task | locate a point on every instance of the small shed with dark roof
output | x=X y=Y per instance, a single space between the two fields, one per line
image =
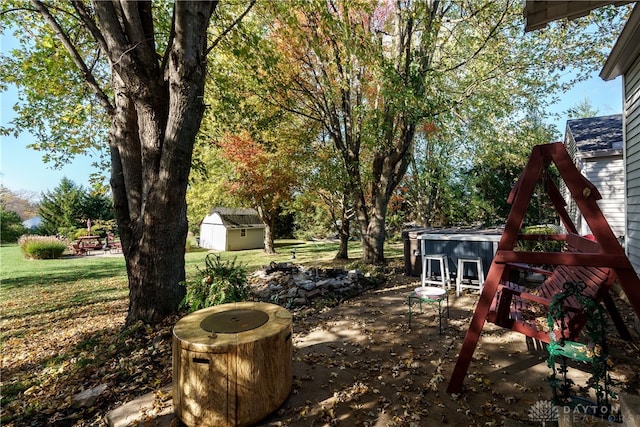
x=596 y=146
x=232 y=229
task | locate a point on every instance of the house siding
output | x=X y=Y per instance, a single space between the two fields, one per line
x=595 y=145
x=607 y=174
x=632 y=146
x=213 y=234
x=570 y=143
x=572 y=207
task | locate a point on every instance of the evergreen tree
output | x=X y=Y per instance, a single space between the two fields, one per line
x=11 y=227
x=67 y=208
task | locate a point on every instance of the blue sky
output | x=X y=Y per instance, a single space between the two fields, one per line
x=22 y=169
x=605 y=97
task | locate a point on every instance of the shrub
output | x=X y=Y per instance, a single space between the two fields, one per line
x=191 y=242
x=541 y=245
x=219 y=283
x=75 y=234
x=11 y=227
x=42 y=247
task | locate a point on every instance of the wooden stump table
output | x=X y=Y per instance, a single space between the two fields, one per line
x=232 y=364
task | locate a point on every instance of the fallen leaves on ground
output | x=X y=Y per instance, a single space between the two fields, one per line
x=357 y=363
x=49 y=359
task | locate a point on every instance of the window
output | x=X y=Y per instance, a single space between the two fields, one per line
x=243 y=232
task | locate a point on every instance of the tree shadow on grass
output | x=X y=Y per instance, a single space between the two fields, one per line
x=79 y=301
x=64 y=274
x=285 y=244
x=307 y=246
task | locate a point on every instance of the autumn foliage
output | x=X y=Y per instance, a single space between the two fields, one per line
x=260 y=178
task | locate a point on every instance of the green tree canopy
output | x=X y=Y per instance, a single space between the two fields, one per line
x=11 y=227
x=250 y=151
x=69 y=206
x=373 y=74
x=582 y=110
x=497 y=166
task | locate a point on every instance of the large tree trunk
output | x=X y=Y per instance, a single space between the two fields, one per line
x=156 y=106
x=344 y=234
x=344 y=229
x=268 y=219
x=374 y=237
x=157 y=114
x=269 y=247
x=389 y=167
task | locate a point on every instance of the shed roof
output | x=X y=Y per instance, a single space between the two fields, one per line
x=597 y=133
x=238 y=217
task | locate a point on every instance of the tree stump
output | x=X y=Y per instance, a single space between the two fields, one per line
x=232 y=364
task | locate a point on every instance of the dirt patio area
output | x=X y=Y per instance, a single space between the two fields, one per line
x=359 y=364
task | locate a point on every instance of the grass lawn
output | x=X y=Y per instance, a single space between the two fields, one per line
x=62 y=331
x=32 y=287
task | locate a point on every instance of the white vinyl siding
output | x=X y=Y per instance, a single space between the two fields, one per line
x=632 y=144
x=570 y=143
x=252 y=239
x=607 y=174
x=572 y=207
x=213 y=234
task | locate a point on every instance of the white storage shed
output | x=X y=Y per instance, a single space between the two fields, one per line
x=232 y=229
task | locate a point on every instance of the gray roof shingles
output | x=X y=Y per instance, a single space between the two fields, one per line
x=238 y=217
x=597 y=133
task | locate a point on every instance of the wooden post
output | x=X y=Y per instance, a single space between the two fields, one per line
x=521 y=196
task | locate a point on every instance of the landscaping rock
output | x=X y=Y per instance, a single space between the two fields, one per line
x=87 y=398
x=291 y=284
x=307 y=285
x=355 y=274
x=314 y=293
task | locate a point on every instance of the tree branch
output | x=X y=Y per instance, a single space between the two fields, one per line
x=138 y=24
x=75 y=56
x=230 y=27
x=90 y=25
x=165 y=58
x=17 y=9
x=484 y=43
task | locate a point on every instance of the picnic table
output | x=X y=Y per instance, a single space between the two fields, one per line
x=84 y=244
